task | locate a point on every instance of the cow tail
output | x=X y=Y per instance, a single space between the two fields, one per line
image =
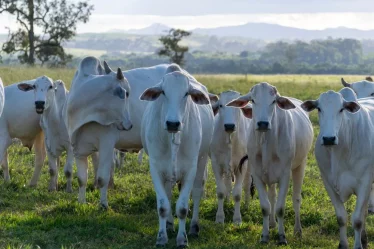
x=242 y=161
x=253 y=188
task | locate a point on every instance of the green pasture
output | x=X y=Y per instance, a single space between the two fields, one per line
x=36 y=218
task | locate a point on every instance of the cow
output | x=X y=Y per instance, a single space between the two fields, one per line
x=229 y=144
x=98 y=105
x=50 y=98
x=2 y=97
x=19 y=120
x=363 y=89
x=176 y=132
x=281 y=135
x=344 y=153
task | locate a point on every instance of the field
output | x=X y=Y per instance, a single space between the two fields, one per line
x=35 y=218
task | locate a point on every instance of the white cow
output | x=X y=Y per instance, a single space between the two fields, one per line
x=176 y=134
x=96 y=109
x=229 y=145
x=363 y=89
x=50 y=98
x=19 y=120
x=344 y=152
x=2 y=97
x=281 y=135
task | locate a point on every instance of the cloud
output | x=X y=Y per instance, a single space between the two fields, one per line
x=209 y=7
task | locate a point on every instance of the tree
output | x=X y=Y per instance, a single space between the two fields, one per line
x=171 y=47
x=57 y=21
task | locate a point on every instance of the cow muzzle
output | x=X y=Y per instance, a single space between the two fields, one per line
x=229 y=128
x=173 y=126
x=39 y=106
x=263 y=126
x=126 y=127
x=329 y=141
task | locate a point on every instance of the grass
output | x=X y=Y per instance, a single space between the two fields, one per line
x=35 y=218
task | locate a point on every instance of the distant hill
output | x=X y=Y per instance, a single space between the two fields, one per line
x=154 y=29
x=264 y=31
x=267 y=31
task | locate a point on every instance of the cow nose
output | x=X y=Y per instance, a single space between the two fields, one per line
x=172 y=126
x=229 y=128
x=263 y=125
x=39 y=106
x=329 y=140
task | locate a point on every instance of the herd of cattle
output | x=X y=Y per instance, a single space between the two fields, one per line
x=261 y=136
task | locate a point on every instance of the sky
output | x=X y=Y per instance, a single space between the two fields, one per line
x=307 y=14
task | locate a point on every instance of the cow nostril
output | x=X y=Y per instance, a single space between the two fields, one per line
x=263 y=125
x=172 y=125
x=229 y=127
x=329 y=140
x=39 y=103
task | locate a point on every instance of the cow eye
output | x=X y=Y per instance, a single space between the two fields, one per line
x=163 y=93
x=372 y=94
x=220 y=106
x=186 y=94
x=50 y=87
x=127 y=94
x=341 y=110
x=273 y=102
x=319 y=110
x=253 y=101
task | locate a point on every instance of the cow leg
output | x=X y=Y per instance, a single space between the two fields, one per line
x=68 y=169
x=140 y=156
x=170 y=221
x=272 y=192
x=359 y=214
x=122 y=156
x=221 y=189
x=247 y=187
x=182 y=203
x=265 y=207
x=280 y=206
x=53 y=172
x=40 y=154
x=82 y=172
x=5 y=166
x=237 y=192
x=341 y=213
x=227 y=176
x=297 y=181
x=105 y=167
x=163 y=204
x=197 y=193
x=95 y=164
x=371 y=200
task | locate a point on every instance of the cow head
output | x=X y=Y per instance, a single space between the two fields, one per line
x=363 y=89
x=331 y=107
x=229 y=115
x=264 y=98
x=44 y=90
x=175 y=89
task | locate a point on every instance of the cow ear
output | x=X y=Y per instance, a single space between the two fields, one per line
x=369 y=78
x=285 y=103
x=25 y=87
x=351 y=106
x=198 y=96
x=213 y=98
x=309 y=105
x=240 y=102
x=215 y=108
x=345 y=83
x=247 y=111
x=151 y=94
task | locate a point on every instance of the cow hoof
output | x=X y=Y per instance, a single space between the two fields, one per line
x=298 y=233
x=282 y=240
x=341 y=246
x=162 y=239
x=237 y=221
x=169 y=226
x=52 y=189
x=104 y=206
x=194 y=230
x=264 y=239
x=182 y=241
x=220 y=219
